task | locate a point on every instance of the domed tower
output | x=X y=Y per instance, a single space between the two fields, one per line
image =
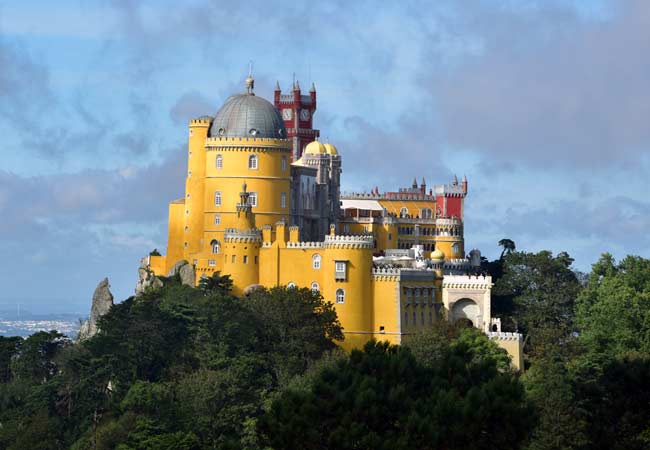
x=246 y=141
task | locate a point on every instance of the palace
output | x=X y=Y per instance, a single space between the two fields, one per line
x=263 y=204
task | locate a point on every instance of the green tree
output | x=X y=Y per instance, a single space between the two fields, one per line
x=299 y=326
x=9 y=349
x=562 y=423
x=381 y=398
x=539 y=290
x=215 y=284
x=508 y=247
x=36 y=360
x=613 y=311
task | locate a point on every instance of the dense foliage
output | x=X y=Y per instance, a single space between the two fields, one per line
x=184 y=368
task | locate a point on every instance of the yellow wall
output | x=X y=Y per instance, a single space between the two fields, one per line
x=241 y=262
x=175 y=235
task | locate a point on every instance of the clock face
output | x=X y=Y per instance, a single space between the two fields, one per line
x=304 y=114
x=286 y=114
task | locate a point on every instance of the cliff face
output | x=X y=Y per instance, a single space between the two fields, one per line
x=102 y=303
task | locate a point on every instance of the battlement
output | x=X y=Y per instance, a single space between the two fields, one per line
x=505 y=336
x=350 y=241
x=233 y=235
x=449 y=190
x=481 y=282
x=305 y=245
x=203 y=120
x=240 y=143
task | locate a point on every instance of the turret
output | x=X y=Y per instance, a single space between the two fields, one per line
x=245 y=219
x=276 y=95
x=463 y=184
x=296 y=94
x=423 y=187
x=312 y=95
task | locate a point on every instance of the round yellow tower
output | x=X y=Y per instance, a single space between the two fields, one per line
x=449 y=238
x=246 y=142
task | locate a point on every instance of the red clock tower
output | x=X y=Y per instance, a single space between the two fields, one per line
x=298 y=114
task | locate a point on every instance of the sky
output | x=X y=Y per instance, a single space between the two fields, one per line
x=543 y=105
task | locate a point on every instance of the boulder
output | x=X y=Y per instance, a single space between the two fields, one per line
x=102 y=303
x=186 y=273
x=146 y=280
x=176 y=268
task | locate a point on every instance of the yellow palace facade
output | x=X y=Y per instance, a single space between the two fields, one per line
x=265 y=207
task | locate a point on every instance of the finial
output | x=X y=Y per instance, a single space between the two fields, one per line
x=250 y=81
x=415 y=182
x=294 y=80
x=464 y=178
x=243 y=187
x=424 y=183
x=297 y=87
x=455 y=180
x=277 y=85
x=313 y=87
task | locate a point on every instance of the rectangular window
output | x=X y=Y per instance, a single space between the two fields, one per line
x=217 y=198
x=233 y=259
x=390 y=236
x=217 y=219
x=245 y=259
x=340 y=271
x=284 y=163
x=211 y=263
x=283 y=200
x=195 y=261
x=252 y=199
x=256 y=260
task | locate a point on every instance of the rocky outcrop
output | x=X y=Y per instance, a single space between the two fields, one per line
x=185 y=271
x=102 y=303
x=146 y=279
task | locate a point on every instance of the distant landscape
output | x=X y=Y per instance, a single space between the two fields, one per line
x=25 y=323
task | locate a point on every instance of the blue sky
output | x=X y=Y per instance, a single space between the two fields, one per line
x=544 y=105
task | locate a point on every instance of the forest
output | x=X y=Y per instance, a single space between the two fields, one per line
x=197 y=368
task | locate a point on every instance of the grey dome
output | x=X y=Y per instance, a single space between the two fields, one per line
x=246 y=115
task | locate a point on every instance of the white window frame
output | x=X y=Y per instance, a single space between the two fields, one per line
x=291 y=285
x=219 y=162
x=283 y=199
x=217 y=198
x=252 y=199
x=253 y=162
x=403 y=212
x=315 y=287
x=284 y=163
x=316 y=261
x=212 y=262
x=217 y=219
x=339 y=266
x=216 y=246
x=340 y=296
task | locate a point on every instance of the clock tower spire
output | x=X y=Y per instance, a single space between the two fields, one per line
x=298 y=114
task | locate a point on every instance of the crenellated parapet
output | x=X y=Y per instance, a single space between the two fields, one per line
x=201 y=121
x=386 y=274
x=306 y=245
x=505 y=336
x=360 y=241
x=469 y=282
x=247 y=143
x=234 y=235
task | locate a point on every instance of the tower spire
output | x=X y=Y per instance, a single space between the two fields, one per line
x=250 y=81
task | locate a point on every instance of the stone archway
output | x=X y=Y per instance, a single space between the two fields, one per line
x=466 y=309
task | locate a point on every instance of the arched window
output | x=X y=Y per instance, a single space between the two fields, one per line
x=315 y=261
x=340 y=296
x=426 y=213
x=217 y=198
x=217 y=219
x=291 y=285
x=454 y=248
x=403 y=212
x=252 y=162
x=219 y=162
x=216 y=246
x=315 y=287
